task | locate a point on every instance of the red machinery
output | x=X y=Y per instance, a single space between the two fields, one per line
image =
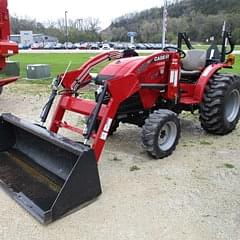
x=50 y=175
x=7 y=48
x=148 y=77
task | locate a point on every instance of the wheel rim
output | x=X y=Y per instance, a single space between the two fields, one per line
x=232 y=105
x=167 y=136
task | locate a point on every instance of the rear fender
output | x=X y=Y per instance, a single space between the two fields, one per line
x=205 y=77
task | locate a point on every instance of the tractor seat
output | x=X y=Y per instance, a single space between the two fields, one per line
x=190 y=75
x=193 y=63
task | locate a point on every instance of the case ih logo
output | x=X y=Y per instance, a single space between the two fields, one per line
x=161 y=58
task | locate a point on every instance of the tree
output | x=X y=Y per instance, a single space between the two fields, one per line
x=89 y=31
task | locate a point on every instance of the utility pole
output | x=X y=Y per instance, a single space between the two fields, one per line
x=164 y=24
x=80 y=21
x=66 y=26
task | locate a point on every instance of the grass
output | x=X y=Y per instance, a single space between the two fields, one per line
x=206 y=46
x=228 y=165
x=59 y=61
x=236 y=67
x=204 y=142
x=134 y=168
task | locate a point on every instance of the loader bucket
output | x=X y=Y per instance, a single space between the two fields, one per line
x=47 y=174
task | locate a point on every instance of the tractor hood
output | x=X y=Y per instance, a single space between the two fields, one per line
x=121 y=67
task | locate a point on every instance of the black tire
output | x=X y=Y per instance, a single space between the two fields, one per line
x=220 y=109
x=1 y=89
x=161 y=133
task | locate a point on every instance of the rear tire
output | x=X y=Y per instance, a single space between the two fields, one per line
x=220 y=109
x=161 y=133
x=1 y=89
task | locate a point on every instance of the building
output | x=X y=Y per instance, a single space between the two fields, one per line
x=27 y=38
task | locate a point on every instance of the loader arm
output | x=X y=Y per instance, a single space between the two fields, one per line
x=76 y=79
x=84 y=107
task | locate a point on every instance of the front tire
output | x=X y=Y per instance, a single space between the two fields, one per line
x=161 y=133
x=220 y=109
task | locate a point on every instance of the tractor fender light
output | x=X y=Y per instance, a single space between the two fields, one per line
x=231 y=59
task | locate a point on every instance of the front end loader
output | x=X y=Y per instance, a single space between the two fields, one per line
x=51 y=175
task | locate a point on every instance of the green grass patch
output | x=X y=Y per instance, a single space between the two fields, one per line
x=59 y=61
x=236 y=67
x=134 y=168
x=237 y=47
x=228 y=165
x=206 y=46
x=3 y=75
x=204 y=142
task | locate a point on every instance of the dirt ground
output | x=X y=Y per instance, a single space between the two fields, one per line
x=193 y=194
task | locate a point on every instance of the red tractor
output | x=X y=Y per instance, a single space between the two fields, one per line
x=7 y=48
x=49 y=175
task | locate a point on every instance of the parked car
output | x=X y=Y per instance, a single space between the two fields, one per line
x=58 y=46
x=49 y=45
x=158 y=46
x=111 y=45
x=77 y=45
x=37 y=46
x=148 y=46
x=131 y=46
x=118 y=46
x=106 y=46
x=84 y=46
x=140 y=46
x=22 y=46
x=94 y=46
x=68 y=45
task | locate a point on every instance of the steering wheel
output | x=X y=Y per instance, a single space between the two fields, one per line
x=179 y=50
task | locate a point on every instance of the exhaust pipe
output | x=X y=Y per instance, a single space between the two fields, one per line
x=47 y=174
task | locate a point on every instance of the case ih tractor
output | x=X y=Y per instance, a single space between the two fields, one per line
x=50 y=175
x=7 y=48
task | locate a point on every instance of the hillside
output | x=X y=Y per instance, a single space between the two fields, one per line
x=200 y=18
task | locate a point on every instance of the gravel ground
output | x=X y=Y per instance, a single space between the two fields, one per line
x=193 y=194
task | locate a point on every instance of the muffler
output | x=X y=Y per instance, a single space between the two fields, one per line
x=47 y=174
